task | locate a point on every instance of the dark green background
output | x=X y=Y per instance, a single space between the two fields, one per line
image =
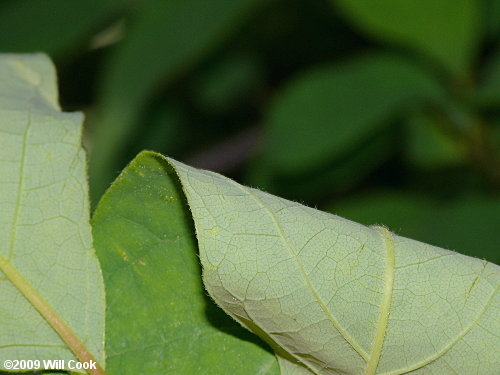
x=384 y=112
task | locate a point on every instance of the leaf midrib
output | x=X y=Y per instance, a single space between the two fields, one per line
x=49 y=314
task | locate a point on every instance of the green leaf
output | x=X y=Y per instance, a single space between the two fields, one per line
x=468 y=225
x=315 y=184
x=446 y=30
x=430 y=146
x=491 y=16
x=167 y=129
x=495 y=131
x=336 y=297
x=328 y=111
x=159 y=320
x=50 y=282
x=51 y=26
x=166 y=39
x=225 y=83
x=36 y=373
x=488 y=93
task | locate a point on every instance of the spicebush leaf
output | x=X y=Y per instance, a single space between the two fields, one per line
x=327 y=111
x=52 y=294
x=159 y=320
x=166 y=39
x=336 y=297
x=446 y=30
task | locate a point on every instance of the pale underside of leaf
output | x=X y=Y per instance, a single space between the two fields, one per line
x=51 y=286
x=281 y=269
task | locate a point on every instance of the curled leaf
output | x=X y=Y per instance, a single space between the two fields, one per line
x=336 y=297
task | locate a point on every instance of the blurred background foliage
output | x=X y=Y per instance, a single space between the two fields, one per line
x=384 y=112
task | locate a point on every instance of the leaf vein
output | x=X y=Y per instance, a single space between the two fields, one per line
x=15 y=219
x=303 y=273
x=385 y=306
x=447 y=347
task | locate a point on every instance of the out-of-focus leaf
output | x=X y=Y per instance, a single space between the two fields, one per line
x=429 y=146
x=469 y=225
x=166 y=130
x=327 y=111
x=167 y=38
x=491 y=14
x=496 y=132
x=315 y=184
x=51 y=26
x=488 y=94
x=223 y=85
x=159 y=320
x=446 y=30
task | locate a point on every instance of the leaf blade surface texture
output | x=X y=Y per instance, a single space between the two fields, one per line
x=50 y=281
x=159 y=319
x=338 y=297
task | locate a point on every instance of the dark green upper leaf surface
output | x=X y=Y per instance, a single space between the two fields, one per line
x=327 y=111
x=165 y=39
x=445 y=30
x=159 y=320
